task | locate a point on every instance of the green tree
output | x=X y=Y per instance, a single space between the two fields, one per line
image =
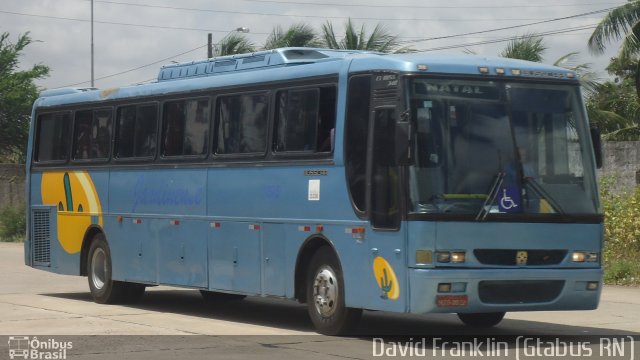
x=526 y=47
x=232 y=44
x=297 y=35
x=17 y=94
x=614 y=107
x=623 y=23
x=379 y=39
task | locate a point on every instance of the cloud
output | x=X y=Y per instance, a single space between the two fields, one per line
x=64 y=44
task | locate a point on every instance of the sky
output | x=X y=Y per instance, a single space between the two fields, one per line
x=134 y=38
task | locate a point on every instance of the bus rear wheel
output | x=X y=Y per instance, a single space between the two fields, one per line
x=481 y=320
x=103 y=289
x=325 y=295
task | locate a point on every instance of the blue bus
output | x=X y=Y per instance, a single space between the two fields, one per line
x=346 y=180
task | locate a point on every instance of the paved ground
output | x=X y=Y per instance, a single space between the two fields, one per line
x=34 y=302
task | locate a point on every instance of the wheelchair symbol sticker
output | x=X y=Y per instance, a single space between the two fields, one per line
x=509 y=200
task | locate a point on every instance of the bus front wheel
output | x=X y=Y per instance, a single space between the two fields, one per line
x=481 y=320
x=325 y=295
x=103 y=289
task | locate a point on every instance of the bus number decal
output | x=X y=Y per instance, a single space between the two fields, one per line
x=75 y=197
x=386 y=278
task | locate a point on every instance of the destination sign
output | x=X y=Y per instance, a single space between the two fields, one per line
x=456 y=90
x=385 y=81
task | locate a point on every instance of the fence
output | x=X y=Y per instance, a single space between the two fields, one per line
x=622 y=164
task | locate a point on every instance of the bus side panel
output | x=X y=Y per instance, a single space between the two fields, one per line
x=234 y=254
x=153 y=243
x=275 y=276
x=375 y=271
x=278 y=193
x=134 y=249
x=170 y=192
x=182 y=250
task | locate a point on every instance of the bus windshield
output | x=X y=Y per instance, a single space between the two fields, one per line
x=496 y=147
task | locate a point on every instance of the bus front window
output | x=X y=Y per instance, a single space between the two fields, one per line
x=499 y=148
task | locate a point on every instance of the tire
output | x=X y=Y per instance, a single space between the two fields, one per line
x=481 y=320
x=213 y=296
x=325 y=295
x=103 y=289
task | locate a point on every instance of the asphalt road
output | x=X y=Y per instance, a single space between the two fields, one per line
x=59 y=308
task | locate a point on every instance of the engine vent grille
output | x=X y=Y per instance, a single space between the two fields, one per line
x=41 y=235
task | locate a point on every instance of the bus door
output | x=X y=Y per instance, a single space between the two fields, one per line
x=386 y=238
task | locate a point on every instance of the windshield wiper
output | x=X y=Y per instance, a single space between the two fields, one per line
x=537 y=188
x=491 y=196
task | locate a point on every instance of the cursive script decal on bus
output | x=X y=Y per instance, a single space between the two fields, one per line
x=165 y=194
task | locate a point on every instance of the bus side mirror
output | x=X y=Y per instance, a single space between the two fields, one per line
x=596 y=140
x=403 y=141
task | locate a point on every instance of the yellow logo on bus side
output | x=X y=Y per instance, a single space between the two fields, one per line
x=386 y=278
x=74 y=195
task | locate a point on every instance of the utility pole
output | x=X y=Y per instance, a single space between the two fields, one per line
x=241 y=29
x=209 y=45
x=92 y=80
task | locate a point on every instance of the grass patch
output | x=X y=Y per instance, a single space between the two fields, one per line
x=13 y=224
x=622 y=235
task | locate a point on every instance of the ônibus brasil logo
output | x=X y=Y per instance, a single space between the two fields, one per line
x=25 y=347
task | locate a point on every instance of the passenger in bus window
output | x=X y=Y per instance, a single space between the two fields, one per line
x=83 y=142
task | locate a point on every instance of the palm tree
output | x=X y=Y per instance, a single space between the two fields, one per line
x=379 y=39
x=621 y=22
x=531 y=47
x=526 y=47
x=600 y=110
x=234 y=43
x=297 y=35
x=589 y=79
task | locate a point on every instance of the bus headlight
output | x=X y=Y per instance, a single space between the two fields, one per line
x=455 y=257
x=582 y=256
x=458 y=257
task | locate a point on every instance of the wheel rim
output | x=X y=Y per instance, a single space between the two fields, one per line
x=325 y=292
x=99 y=268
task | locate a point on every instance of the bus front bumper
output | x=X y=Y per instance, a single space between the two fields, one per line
x=498 y=290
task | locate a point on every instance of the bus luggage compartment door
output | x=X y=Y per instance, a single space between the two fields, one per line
x=234 y=257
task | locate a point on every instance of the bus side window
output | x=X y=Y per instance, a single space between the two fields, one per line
x=305 y=120
x=327 y=119
x=185 y=128
x=92 y=134
x=297 y=120
x=241 y=123
x=146 y=130
x=136 y=129
x=356 y=130
x=52 y=137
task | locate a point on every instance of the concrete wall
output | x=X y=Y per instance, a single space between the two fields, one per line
x=622 y=164
x=11 y=185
